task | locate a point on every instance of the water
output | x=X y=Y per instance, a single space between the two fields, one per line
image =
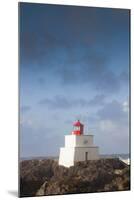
x=123 y=156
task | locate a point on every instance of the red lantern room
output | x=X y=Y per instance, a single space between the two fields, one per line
x=78 y=128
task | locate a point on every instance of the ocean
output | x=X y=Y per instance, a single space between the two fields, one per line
x=123 y=156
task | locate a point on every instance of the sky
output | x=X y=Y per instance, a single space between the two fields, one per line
x=74 y=64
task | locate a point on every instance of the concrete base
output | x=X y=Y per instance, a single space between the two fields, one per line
x=68 y=155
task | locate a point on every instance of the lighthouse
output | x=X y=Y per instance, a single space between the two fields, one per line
x=78 y=147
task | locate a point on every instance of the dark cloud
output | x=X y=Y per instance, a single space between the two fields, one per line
x=43 y=28
x=61 y=102
x=113 y=111
x=98 y=100
x=91 y=70
x=35 y=48
x=124 y=76
x=58 y=102
x=68 y=46
x=108 y=82
x=74 y=67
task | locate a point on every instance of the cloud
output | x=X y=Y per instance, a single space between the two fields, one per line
x=113 y=136
x=124 y=77
x=58 y=102
x=47 y=20
x=61 y=102
x=90 y=68
x=98 y=100
x=112 y=127
x=35 y=47
x=113 y=111
x=107 y=125
x=68 y=47
x=78 y=49
x=125 y=106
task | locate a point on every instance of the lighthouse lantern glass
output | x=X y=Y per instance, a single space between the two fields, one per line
x=78 y=128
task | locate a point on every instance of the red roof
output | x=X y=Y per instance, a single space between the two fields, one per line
x=78 y=123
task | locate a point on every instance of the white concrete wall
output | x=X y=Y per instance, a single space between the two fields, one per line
x=66 y=157
x=70 y=155
x=84 y=141
x=78 y=141
x=70 y=141
x=93 y=153
x=76 y=148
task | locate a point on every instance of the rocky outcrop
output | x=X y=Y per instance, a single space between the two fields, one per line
x=46 y=177
x=42 y=189
x=33 y=173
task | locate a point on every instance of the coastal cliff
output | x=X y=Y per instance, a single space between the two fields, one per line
x=46 y=177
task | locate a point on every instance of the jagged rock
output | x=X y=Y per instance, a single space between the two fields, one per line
x=42 y=189
x=46 y=177
x=118 y=171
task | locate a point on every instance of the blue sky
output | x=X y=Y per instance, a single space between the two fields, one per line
x=74 y=63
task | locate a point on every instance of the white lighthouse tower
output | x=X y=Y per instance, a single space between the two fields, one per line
x=78 y=147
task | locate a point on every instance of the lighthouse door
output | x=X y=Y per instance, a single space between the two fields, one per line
x=86 y=156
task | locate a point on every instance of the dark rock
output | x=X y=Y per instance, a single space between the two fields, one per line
x=46 y=177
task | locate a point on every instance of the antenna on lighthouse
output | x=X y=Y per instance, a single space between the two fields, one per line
x=87 y=124
x=78 y=117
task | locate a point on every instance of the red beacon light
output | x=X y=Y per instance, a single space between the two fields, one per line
x=78 y=128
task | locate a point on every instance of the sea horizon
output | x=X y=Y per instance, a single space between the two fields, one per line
x=112 y=155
